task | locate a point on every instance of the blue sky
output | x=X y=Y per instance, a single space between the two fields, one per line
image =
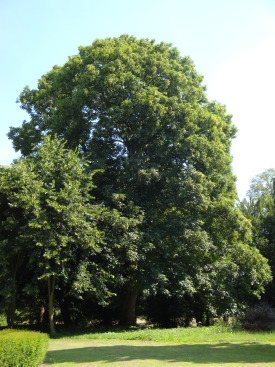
x=232 y=43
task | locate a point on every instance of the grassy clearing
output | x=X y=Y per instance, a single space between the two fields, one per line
x=160 y=347
x=68 y=353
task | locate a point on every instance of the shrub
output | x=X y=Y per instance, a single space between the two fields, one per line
x=3 y=320
x=22 y=348
x=259 y=317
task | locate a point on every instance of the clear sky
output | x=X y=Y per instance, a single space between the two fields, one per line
x=232 y=43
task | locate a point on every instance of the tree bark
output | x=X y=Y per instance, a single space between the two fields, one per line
x=128 y=301
x=41 y=316
x=12 y=307
x=51 y=284
x=11 y=312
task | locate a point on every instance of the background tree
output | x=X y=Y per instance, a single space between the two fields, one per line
x=259 y=208
x=137 y=110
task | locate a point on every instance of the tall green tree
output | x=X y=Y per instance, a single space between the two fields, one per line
x=138 y=111
x=14 y=249
x=259 y=208
x=49 y=221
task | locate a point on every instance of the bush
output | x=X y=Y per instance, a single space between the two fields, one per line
x=22 y=348
x=3 y=320
x=259 y=317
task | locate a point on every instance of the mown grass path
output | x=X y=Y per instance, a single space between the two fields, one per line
x=206 y=346
x=74 y=352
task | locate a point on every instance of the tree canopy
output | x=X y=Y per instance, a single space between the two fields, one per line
x=138 y=112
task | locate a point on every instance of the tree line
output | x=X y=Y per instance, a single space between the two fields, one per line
x=124 y=193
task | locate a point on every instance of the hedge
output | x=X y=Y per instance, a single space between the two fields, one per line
x=20 y=348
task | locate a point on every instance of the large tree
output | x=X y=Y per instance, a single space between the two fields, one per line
x=138 y=111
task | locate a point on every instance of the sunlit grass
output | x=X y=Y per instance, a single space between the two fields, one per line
x=213 y=334
x=159 y=347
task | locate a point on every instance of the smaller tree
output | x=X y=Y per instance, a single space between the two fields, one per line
x=14 y=249
x=58 y=232
x=259 y=208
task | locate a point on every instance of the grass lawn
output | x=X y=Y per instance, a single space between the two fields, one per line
x=214 y=346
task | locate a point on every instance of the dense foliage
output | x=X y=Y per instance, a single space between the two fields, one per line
x=139 y=113
x=259 y=208
x=48 y=227
x=259 y=317
x=22 y=348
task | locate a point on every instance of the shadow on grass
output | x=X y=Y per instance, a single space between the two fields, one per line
x=74 y=331
x=198 y=353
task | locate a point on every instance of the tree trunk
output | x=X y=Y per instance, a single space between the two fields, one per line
x=64 y=305
x=41 y=316
x=51 y=284
x=11 y=312
x=207 y=320
x=128 y=301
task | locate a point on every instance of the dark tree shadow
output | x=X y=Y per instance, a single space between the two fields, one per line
x=193 y=353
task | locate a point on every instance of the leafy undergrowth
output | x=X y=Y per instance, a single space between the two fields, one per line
x=212 y=334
